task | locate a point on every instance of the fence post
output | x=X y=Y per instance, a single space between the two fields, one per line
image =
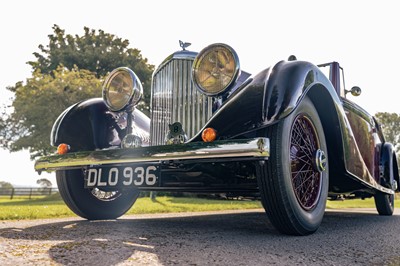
x=153 y=195
x=30 y=194
x=12 y=194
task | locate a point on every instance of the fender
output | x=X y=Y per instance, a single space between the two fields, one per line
x=269 y=97
x=90 y=125
x=273 y=94
x=388 y=170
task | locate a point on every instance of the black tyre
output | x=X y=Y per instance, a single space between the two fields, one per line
x=93 y=204
x=294 y=180
x=384 y=203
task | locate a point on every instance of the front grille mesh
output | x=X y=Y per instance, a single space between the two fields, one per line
x=175 y=99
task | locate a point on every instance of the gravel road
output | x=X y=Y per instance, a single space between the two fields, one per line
x=357 y=237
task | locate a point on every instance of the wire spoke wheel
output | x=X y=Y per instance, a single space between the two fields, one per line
x=306 y=177
x=294 y=180
x=105 y=195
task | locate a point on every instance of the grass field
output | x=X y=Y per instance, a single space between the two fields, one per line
x=54 y=207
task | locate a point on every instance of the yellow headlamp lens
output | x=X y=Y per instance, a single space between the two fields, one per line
x=215 y=69
x=121 y=88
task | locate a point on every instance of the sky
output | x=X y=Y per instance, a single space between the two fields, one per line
x=361 y=35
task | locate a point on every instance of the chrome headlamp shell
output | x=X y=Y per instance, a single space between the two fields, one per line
x=122 y=88
x=215 y=69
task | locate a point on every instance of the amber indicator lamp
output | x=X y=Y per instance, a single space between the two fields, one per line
x=209 y=134
x=63 y=148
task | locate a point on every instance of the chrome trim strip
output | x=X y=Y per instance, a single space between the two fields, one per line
x=257 y=148
x=372 y=184
x=185 y=55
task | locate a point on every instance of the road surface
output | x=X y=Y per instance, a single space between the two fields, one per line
x=356 y=237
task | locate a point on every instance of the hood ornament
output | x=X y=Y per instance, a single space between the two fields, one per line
x=184 y=45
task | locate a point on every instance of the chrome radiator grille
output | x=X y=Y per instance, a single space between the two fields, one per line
x=175 y=99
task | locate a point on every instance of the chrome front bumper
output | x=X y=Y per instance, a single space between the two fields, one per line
x=257 y=148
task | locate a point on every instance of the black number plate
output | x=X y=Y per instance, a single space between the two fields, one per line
x=147 y=175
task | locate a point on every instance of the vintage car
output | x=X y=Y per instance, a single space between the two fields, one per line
x=286 y=135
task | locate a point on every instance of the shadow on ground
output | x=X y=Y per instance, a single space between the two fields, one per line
x=217 y=239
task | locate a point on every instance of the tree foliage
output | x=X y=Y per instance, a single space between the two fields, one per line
x=40 y=101
x=2 y=127
x=66 y=70
x=4 y=184
x=44 y=183
x=390 y=123
x=99 y=53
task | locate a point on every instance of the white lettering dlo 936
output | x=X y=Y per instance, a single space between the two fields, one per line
x=136 y=176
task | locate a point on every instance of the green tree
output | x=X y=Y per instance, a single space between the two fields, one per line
x=40 y=101
x=2 y=129
x=44 y=183
x=67 y=70
x=98 y=52
x=4 y=184
x=390 y=123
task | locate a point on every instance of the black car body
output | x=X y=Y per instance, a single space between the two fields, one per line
x=287 y=134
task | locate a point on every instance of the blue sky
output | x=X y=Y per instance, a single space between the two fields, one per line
x=361 y=35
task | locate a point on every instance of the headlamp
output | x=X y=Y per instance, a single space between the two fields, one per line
x=122 y=88
x=215 y=69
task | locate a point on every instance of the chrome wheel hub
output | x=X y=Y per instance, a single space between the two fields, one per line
x=319 y=161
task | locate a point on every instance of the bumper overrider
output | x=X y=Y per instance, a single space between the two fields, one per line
x=136 y=161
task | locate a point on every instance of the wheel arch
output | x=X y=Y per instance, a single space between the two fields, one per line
x=388 y=164
x=89 y=125
x=77 y=126
x=396 y=171
x=330 y=120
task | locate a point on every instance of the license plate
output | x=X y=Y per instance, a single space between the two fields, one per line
x=123 y=176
